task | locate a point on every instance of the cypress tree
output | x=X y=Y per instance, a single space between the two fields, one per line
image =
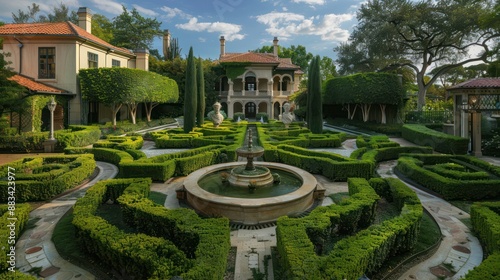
x=190 y=94
x=200 y=112
x=315 y=109
x=309 y=106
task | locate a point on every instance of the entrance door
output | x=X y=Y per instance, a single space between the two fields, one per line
x=250 y=110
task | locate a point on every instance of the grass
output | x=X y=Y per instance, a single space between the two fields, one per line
x=114 y=215
x=339 y=197
x=158 y=197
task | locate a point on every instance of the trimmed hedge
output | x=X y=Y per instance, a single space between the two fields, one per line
x=324 y=163
x=17 y=275
x=392 y=153
x=353 y=256
x=78 y=136
x=186 y=235
x=441 y=142
x=485 y=218
x=411 y=165
x=21 y=213
x=121 y=142
x=44 y=185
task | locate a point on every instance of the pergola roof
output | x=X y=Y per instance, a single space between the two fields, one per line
x=478 y=83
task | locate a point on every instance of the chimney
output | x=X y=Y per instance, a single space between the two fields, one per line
x=84 y=19
x=275 y=46
x=222 y=46
x=166 y=43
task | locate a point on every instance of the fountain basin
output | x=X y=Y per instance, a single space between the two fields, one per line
x=250 y=211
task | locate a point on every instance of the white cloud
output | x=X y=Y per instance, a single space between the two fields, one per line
x=310 y=2
x=201 y=39
x=286 y=25
x=109 y=6
x=174 y=12
x=228 y=30
x=144 y=11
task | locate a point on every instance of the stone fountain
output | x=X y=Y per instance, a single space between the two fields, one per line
x=244 y=176
x=209 y=194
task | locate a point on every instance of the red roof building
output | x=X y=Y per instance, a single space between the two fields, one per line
x=254 y=83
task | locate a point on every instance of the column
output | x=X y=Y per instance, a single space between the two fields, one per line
x=243 y=88
x=476 y=134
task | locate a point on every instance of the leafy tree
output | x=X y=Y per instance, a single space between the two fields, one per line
x=328 y=69
x=11 y=94
x=315 y=104
x=191 y=94
x=493 y=69
x=133 y=31
x=159 y=89
x=102 y=27
x=396 y=33
x=174 y=69
x=115 y=87
x=200 y=104
x=59 y=13
x=25 y=17
x=298 y=54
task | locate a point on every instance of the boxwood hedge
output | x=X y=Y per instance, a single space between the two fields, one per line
x=41 y=179
x=171 y=242
x=21 y=212
x=362 y=252
x=441 y=142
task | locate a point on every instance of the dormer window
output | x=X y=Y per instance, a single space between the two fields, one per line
x=46 y=63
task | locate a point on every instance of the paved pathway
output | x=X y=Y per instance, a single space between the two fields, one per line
x=35 y=248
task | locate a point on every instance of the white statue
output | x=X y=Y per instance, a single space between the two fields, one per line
x=288 y=116
x=215 y=115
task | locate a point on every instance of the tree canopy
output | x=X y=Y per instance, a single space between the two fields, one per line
x=115 y=87
x=191 y=94
x=11 y=93
x=59 y=14
x=419 y=35
x=133 y=31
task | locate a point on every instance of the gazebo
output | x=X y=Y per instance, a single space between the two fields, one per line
x=471 y=98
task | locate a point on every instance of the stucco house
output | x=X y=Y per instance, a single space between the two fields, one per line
x=256 y=82
x=48 y=56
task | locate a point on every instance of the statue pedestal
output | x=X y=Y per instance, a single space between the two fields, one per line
x=49 y=146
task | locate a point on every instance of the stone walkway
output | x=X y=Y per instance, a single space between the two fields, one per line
x=35 y=247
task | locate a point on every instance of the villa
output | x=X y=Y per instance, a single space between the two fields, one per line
x=256 y=82
x=47 y=58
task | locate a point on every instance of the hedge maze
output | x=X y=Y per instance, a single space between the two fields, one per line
x=340 y=241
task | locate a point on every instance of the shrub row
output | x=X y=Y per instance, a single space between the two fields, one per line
x=121 y=143
x=75 y=136
x=485 y=218
x=412 y=167
x=146 y=256
x=138 y=255
x=351 y=257
x=392 y=153
x=327 y=164
x=44 y=185
x=441 y=142
x=376 y=141
x=449 y=170
x=7 y=234
x=17 y=275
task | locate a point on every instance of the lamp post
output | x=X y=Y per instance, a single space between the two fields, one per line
x=52 y=106
x=473 y=105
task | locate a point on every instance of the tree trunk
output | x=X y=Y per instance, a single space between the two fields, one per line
x=422 y=90
x=149 y=106
x=365 y=110
x=132 y=107
x=353 y=112
x=114 y=109
x=382 y=109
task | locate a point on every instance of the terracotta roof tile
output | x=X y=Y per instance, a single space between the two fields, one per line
x=263 y=58
x=478 y=83
x=34 y=86
x=57 y=29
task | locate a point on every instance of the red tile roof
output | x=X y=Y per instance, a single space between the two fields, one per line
x=36 y=86
x=55 y=29
x=260 y=58
x=478 y=83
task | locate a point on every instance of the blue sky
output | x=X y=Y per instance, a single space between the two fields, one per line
x=319 y=25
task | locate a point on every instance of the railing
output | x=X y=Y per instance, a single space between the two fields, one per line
x=429 y=116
